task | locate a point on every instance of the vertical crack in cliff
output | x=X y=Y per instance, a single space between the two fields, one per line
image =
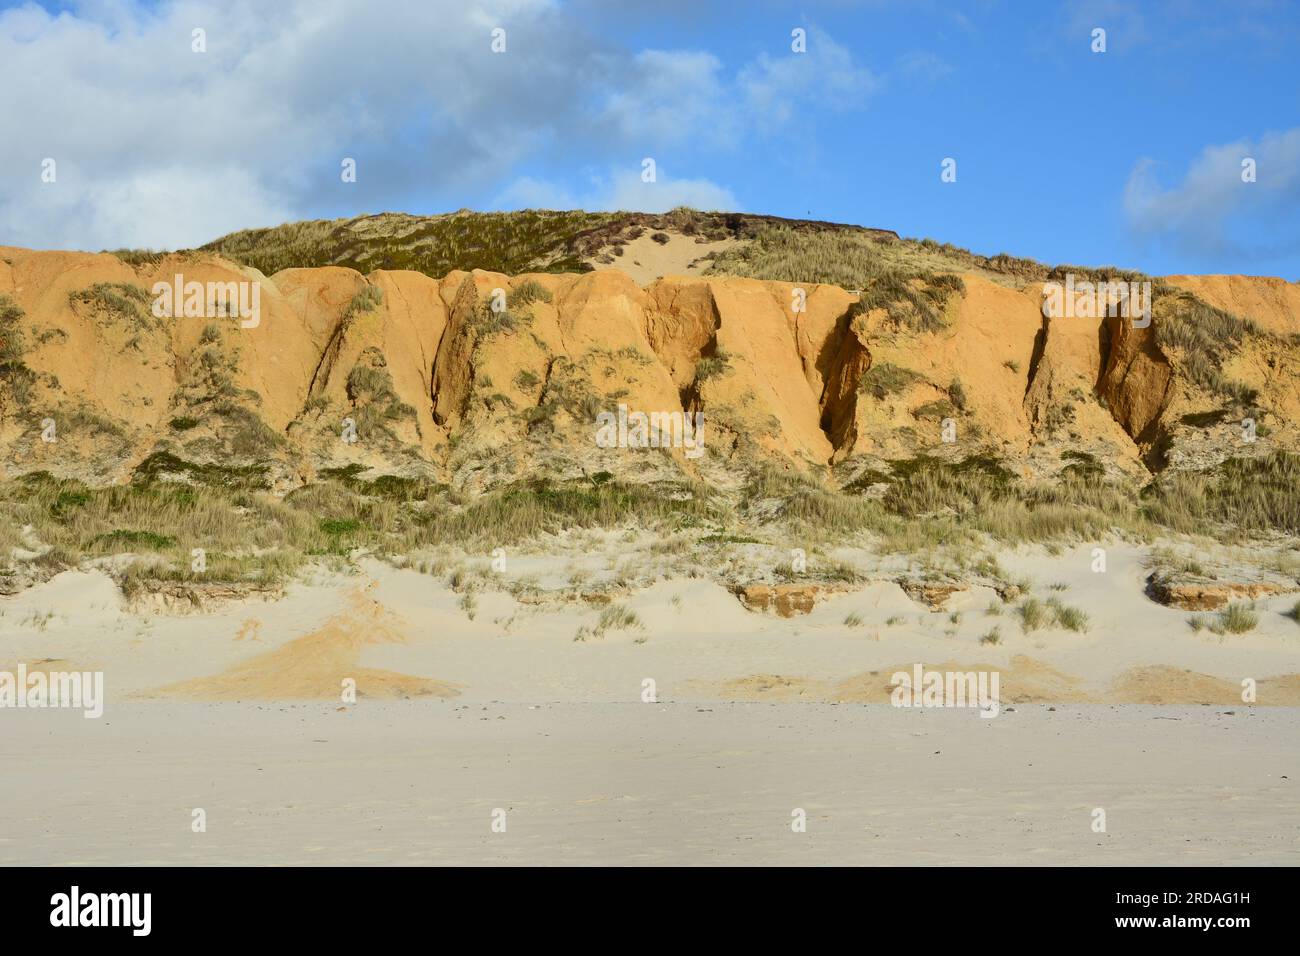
x=841 y=362
x=706 y=354
x=1036 y=355
x=329 y=356
x=456 y=351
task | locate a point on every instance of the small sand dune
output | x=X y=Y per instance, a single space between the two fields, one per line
x=315 y=665
x=1025 y=681
x=1162 y=684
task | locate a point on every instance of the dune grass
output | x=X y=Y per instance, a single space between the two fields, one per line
x=244 y=537
x=1245 y=494
x=1236 y=618
x=16 y=378
x=1203 y=336
x=616 y=617
x=513 y=243
x=912 y=296
x=1070 y=618
x=119 y=301
x=1033 y=614
x=885 y=379
x=1036 y=615
x=940 y=512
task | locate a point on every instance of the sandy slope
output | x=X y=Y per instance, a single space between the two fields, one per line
x=646 y=260
x=441 y=387
x=401 y=633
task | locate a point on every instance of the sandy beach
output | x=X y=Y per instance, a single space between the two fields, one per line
x=601 y=783
x=552 y=434
x=748 y=719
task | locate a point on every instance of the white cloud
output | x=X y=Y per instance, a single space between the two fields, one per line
x=529 y=192
x=775 y=88
x=168 y=207
x=619 y=190
x=629 y=192
x=156 y=143
x=160 y=146
x=923 y=66
x=1199 y=214
x=672 y=95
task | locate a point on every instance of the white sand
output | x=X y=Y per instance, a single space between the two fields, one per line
x=522 y=652
x=416 y=782
x=553 y=730
x=646 y=260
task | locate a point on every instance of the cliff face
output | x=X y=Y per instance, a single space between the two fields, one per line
x=479 y=378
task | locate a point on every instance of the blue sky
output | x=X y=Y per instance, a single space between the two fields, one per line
x=1131 y=156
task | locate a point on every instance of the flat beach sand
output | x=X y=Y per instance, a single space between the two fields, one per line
x=417 y=782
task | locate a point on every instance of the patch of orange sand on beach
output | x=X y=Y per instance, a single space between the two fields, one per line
x=1162 y=684
x=1024 y=681
x=315 y=665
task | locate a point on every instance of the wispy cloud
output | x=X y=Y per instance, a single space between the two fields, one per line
x=922 y=66
x=672 y=95
x=618 y=190
x=1123 y=21
x=1201 y=214
x=775 y=89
